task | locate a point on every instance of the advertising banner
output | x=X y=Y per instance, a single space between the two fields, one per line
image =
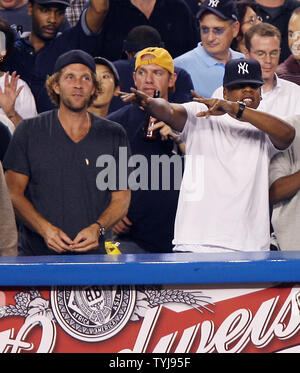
x=151 y=319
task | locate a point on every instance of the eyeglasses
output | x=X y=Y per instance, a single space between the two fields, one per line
x=263 y=54
x=294 y=35
x=217 y=31
x=253 y=20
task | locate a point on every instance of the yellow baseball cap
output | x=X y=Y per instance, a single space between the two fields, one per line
x=161 y=57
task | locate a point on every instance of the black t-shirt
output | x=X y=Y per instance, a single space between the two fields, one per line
x=173 y=19
x=152 y=209
x=5 y=137
x=64 y=176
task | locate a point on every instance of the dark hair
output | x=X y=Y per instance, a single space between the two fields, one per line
x=262 y=29
x=296 y=12
x=58 y=5
x=111 y=66
x=141 y=37
x=242 y=9
x=10 y=37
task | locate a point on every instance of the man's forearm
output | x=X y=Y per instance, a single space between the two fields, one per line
x=284 y=188
x=173 y=114
x=116 y=210
x=14 y=117
x=53 y=236
x=28 y=214
x=280 y=132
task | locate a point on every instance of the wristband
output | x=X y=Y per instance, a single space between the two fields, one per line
x=102 y=229
x=10 y=116
x=242 y=107
x=178 y=142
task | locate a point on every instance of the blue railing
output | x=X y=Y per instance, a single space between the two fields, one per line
x=177 y=268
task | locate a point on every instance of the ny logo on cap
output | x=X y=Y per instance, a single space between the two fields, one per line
x=243 y=68
x=213 y=3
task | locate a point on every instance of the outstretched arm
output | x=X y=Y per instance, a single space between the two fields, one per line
x=173 y=114
x=279 y=131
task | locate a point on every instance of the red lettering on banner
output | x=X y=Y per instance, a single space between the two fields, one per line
x=17 y=344
x=238 y=330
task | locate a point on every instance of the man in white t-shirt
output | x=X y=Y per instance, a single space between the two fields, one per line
x=223 y=203
x=284 y=177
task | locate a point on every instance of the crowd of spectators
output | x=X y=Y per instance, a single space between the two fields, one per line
x=191 y=43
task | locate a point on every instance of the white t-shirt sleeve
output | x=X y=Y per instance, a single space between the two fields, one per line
x=272 y=149
x=218 y=93
x=4 y=119
x=280 y=166
x=25 y=103
x=192 y=109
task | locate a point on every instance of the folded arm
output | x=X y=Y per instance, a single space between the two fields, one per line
x=284 y=188
x=279 y=131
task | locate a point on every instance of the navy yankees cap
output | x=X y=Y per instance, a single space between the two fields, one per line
x=46 y=2
x=75 y=56
x=242 y=71
x=111 y=66
x=225 y=9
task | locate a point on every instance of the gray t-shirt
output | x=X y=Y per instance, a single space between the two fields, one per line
x=286 y=214
x=63 y=174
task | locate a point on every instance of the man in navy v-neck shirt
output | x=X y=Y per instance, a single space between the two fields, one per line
x=53 y=163
x=36 y=52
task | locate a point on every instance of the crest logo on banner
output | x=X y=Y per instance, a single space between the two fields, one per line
x=96 y=313
x=93 y=313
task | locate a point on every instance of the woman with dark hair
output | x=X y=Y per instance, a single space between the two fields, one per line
x=16 y=99
x=247 y=17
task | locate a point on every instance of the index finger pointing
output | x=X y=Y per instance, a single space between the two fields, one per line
x=122 y=93
x=196 y=94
